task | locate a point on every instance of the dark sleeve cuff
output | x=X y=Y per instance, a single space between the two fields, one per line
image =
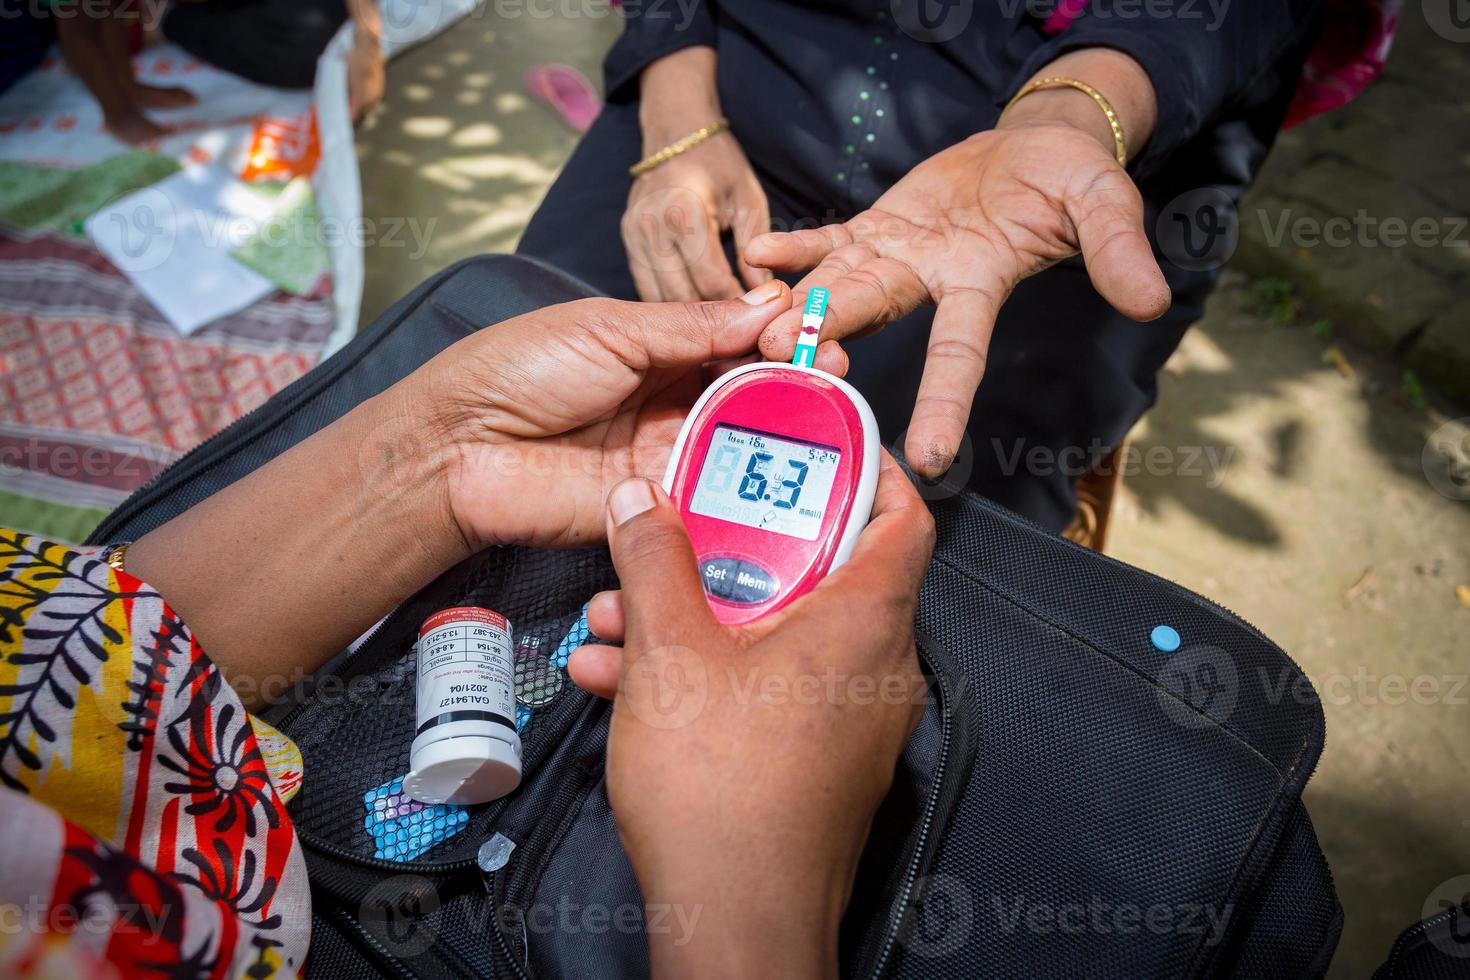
x=1196 y=71
x=652 y=29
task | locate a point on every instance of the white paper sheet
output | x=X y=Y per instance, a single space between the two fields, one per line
x=49 y=118
x=173 y=241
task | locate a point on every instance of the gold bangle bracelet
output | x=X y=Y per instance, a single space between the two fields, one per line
x=1120 y=143
x=683 y=145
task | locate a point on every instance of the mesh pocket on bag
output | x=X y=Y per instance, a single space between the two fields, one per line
x=356 y=728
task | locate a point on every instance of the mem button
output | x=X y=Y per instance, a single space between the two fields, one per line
x=752 y=585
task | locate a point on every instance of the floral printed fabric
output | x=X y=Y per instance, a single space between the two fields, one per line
x=143 y=826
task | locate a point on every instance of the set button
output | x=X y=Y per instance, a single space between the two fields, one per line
x=742 y=582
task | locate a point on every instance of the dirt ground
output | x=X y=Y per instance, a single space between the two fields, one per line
x=1287 y=480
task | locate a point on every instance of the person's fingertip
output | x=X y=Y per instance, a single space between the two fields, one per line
x=832 y=359
x=764 y=242
x=629 y=499
x=754 y=275
x=595 y=669
x=938 y=458
x=766 y=292
x=1163 y=300
x=605 y=614
x=929 y=457
x=1148 y=305
x=577 y=662
x=775 y=345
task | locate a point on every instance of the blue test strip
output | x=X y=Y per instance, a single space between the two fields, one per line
x=811 y=328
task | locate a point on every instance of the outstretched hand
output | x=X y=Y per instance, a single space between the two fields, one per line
x=960 y=231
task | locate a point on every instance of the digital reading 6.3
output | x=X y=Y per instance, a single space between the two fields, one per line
x=761 y=481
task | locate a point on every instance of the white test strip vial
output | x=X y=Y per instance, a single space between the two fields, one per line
x=466 y=749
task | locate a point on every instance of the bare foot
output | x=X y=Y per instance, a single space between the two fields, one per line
x=157 y=97
x=134 y=128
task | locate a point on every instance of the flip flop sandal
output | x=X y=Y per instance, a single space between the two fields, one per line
x=567 y=91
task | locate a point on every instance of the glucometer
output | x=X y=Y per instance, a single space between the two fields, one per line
x=774 y=474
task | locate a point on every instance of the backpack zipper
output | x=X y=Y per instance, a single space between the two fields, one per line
x=942 y=793
x=568 y=792
x=1419 y=931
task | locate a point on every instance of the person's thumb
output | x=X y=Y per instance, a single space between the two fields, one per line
x=683 y=334
x=1109 y=220
x=663 y=597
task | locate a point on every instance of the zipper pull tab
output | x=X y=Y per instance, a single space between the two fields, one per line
x=494 y=854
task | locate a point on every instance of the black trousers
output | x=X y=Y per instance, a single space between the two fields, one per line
x=271 y=42
x=1067 y=375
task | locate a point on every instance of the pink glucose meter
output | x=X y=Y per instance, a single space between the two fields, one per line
x=774 y=474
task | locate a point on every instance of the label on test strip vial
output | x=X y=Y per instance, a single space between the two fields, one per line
x=466 y=749
x=811 y=328
x=466 y=668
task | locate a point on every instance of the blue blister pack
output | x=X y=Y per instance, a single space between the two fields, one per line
x=403 y=828
x=576 y=636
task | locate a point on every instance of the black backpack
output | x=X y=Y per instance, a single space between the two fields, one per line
x=1075 y=802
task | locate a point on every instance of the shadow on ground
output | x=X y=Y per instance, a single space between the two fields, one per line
x=459 y=154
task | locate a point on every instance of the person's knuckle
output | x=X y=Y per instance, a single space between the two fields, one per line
x=650 y=541
x=1109 y=186
x=881 y=301
x=582 y=315
x=964 y=349
x=895 y=604
x=925 y=528
x=590 y=313
x=646 y=222
x=629 y=225
x=676 y=218
x=944 y=406
x=706 y=319
x=1113 y=234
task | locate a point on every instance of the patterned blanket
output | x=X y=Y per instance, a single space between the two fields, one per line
x=97 y=391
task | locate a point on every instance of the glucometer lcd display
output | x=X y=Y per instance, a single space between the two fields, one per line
x=763 y=481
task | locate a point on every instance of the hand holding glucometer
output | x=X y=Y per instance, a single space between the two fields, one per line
x=774 y=473
x=744 y=757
